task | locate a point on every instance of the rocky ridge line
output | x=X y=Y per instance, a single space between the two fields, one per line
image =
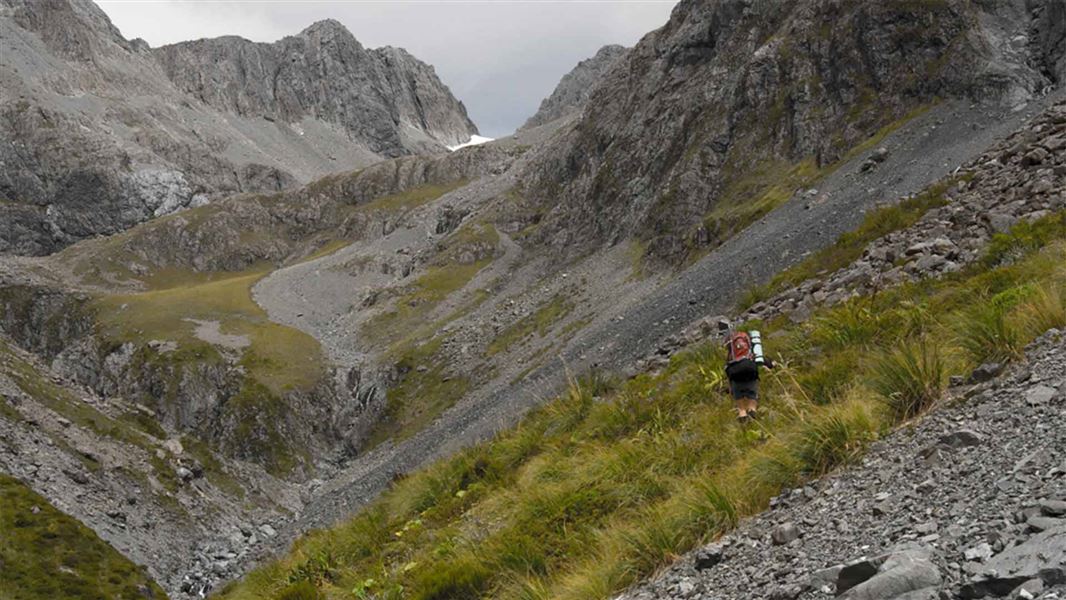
x=385 y=96
x=573 y=90
x=728 y=95
x=99 y=133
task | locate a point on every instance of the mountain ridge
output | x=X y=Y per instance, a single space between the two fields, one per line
x=572 y=91
x=104 y=133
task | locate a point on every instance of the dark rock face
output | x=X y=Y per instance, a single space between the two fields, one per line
x=386 y=96
x=573 y=90
x=98 y=133
x=728 y=88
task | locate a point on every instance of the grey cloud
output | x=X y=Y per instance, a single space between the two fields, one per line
x=500 y=57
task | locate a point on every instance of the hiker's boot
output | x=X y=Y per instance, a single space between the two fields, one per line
x=753 y=408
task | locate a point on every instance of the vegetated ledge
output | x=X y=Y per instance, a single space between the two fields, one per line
x=47 y=554
x=604 y=485
x=243 y=403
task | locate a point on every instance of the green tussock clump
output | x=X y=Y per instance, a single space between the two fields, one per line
x=910 y=377
x=47 y=554
x=613 y=479
x=1023 y=239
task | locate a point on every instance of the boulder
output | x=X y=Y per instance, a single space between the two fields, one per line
x=1043 y=557
x=785 y=533
x=986 y=372
x=905 y=574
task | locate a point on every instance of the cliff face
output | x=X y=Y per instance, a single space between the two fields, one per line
x=572 y=92
x=100 y=133
x=386 y=96
x=730 y=98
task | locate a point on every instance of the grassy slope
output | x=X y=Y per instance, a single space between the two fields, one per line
x=849 y=246
x=586 y=496
x=426 y=388
x=47 y=554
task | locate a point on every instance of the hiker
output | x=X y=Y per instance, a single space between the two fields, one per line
x=743 y=358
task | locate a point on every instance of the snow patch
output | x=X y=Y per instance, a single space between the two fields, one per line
x=473 y=141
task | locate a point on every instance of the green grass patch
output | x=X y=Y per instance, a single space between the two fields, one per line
x=756 y=192
x=426 y=389
x=282 y=358
x=849 y=247
x=405 y=324
x=47 y=554
x=412 y=198
x=539 y=322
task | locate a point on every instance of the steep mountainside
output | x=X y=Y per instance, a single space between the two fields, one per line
x=572 y=92
x=615 y=477
x=685 y=140
x=100 y=133
x=271 y=362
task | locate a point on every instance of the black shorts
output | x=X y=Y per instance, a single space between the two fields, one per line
x=745 y=389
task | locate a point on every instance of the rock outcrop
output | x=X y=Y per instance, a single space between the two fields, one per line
x=100 y=133
x=725 y=100
x=385 y=97
x=573 y=90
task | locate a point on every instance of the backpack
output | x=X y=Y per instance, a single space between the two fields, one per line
x=739 y=348
x=740 y=362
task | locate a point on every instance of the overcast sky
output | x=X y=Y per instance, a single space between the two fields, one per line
x=500 y=57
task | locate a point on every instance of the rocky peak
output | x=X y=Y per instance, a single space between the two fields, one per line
x=572 y=92
x=74 y=29
x=326 y=27
x=100 y=133
x=387 y=97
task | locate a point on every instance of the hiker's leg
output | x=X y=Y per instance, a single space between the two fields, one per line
x=747 y=394
x=754 y=397
x=738 y=399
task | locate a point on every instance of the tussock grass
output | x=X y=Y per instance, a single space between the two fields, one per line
x=48 y=554
x=909 y=377
x=610 y=481
x=987 y=335
x=1045 y=309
